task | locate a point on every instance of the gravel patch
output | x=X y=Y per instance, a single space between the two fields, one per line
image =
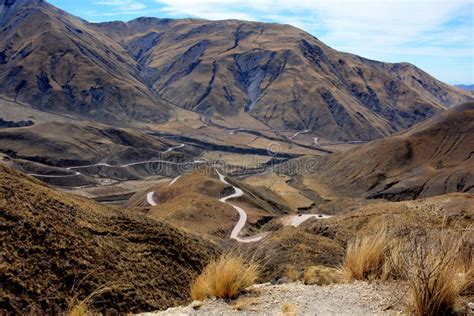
x=359 y=298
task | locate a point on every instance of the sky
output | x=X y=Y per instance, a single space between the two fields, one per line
x=435 y=35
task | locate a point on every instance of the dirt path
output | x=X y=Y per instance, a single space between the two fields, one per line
x=149 y=195
x=149 y=198
x=242 y=214
x=297 y=133
x=297 y=220
x=357 y=298
x=101 y=164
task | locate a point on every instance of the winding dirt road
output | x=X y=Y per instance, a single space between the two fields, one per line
x=101 y=164
x=149 y=195
x=297 y=220
x=293 y=220
x=149 y=198
x=297 y=133
x=243 y=215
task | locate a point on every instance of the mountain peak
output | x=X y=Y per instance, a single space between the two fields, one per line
x=10 y=3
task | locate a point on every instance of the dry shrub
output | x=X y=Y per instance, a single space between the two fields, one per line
x=225 y=277
x=292 y=273
x=322 y=275
x=245 y=303
x=84 y=307
x=365 y=257
x=288 y=309
x=437 y=273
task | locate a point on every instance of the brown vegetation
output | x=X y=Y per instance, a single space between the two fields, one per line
x=292 y=273
x=320 y=275
x=288 y=309
x=225 y=277
x=365 y=256
x=436 y=266
x=437 y=272
x=58 y=247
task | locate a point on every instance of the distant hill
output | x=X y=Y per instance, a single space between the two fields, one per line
x=468 y=87
x=144 y=69
x=432 y=158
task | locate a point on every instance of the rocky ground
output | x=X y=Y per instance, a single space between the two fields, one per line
x=359 y=298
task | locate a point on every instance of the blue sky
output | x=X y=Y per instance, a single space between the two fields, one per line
x=435 y=35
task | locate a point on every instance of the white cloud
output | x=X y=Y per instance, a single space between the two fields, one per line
x=370 y=27
x=122 y=5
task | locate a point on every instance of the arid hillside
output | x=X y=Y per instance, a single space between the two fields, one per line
x=432 y=158
x=192 y=202
x=57 y=62
x=280 y=75
x=145 y=69
x=57 y=248
x=61 y=144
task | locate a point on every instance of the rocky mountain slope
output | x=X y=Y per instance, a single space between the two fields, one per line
x=57 y=62
x=280 y=75
x=58 y=247
x=432 y=158
x=142 y=69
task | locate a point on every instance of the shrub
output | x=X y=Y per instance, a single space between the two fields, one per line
x=292 y=273
x=84 y=307
x=321 y=275
x=365 y=257
x=225 y=277
x=437 y=273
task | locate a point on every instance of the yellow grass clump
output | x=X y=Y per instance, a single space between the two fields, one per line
x=436 y=266
x=437 y=274
x=84 y=307
x=225 y=277
x=292 y=273
x=321 y=275
x=365 y=257
x=288 y=309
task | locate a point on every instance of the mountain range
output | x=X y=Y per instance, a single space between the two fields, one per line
x=148 y=69
x=467 y=87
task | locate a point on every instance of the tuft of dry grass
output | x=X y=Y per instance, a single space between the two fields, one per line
x=245 y=303
x=288 y=309
x=365 y=257
x=292 y=273
x=84 y=307
x=321 y=275
x=225 y=277
x=437 y=273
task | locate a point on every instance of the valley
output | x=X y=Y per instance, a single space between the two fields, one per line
x=134 y=155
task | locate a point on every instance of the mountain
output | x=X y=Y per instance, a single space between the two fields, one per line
x=58 y=247
x=467 y=87
x=280 y=75
x=141 y=70
x=432 y=158
x=57 y=62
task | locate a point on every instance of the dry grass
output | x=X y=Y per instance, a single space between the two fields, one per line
x=245 y=303
x=365 y=257
x=292 y=273
x=225 y=277
x=322 y=275
x=288 y=309
x=84 y=307
x=437 y=273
